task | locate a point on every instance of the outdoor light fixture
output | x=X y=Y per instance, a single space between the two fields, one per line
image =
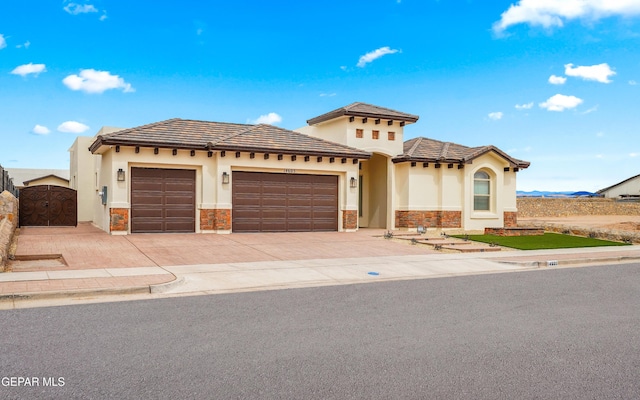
x=353 y=182
x=120 y=175
x=225 y=178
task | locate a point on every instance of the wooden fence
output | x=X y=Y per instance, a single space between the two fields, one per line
x=6 y=182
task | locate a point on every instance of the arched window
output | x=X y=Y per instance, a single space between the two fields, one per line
x=481 y=191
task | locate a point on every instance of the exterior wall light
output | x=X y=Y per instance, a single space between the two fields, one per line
x=120 y=175
x=353 y=183
x=225 y=178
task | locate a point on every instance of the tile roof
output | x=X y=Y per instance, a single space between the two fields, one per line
x=364 y=110
x=422 y=149
x=205 y=135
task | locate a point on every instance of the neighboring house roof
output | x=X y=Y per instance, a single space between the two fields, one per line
x=429 y=150
x=366 y=111
x=26 y=183
x=617 y=184
x=22 y=176
x=205 y=135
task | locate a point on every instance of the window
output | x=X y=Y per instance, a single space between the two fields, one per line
x=391 y=136
x=375 y=134
x=481 y=191
x=359 y=133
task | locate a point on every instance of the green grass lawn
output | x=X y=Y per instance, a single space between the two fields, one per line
x=546 y=241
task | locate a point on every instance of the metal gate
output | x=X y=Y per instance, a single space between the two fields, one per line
x=48 y=205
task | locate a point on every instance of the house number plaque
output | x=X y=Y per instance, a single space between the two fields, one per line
x=289 y=171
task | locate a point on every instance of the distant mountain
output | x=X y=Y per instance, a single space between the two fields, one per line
x=542 y=193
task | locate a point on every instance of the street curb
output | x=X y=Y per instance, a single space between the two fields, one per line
x=74 y=293
x=573 y=261
x=167 y=286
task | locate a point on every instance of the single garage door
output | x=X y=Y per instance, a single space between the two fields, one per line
x=264 y=202
x=163 y=200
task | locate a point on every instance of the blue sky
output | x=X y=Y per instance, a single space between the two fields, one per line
x=556 y=83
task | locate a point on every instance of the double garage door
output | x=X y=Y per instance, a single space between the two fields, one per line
x=164 y=200
x=264 y=202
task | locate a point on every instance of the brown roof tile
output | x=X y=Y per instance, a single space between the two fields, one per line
x=364 y=110
x=204 y=135
x=429 y=150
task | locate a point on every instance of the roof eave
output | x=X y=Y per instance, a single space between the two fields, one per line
x=262 y=150
x=100 y=141
x=346 y=113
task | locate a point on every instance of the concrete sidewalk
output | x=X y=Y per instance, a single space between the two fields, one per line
x=96 y=265
x=77 y=286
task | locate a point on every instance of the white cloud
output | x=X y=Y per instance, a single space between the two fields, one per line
x=560 y=102
x=40 y=130
x=343 y=67
x=599 y=73
x=633 y=154
x=269 y=119
x=495 y=115
x=3 y=42
x=72 y=127
x=592 y=109
x=25 y=45
x=374 y=55
x=327 y=94
x=557 y=80
x=103 y=16
x=92 y=81
x=75 y=8
x=26 y=69
x=526 y=106
x=632 y=82
x=550 y=13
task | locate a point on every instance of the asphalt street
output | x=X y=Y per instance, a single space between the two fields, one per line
x=569 y=333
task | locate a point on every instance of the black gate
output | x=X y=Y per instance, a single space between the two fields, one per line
x=48 y=205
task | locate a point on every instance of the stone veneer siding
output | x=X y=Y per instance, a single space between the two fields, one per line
x=530 y=207
x=510 y=219
x=429 y=219
x=215 y=219
x=8 y=224
x=349 y=219
x=119 y=219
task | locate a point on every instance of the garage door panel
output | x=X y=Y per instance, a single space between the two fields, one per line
x=148 y=226
x=162 y=200
x=181 y=200
x=273 y=214
x=146 y=212
x=264 y=202
x=149 y=200
x=178 y=213
x=175 y=186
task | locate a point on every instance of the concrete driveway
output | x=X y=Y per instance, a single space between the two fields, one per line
x=86 y=247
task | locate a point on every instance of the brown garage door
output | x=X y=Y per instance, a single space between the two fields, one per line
x=265 y=202
x=163 y=200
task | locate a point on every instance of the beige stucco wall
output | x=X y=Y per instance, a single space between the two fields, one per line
x=429 y=188
x=340 y=130
x=82 y=167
